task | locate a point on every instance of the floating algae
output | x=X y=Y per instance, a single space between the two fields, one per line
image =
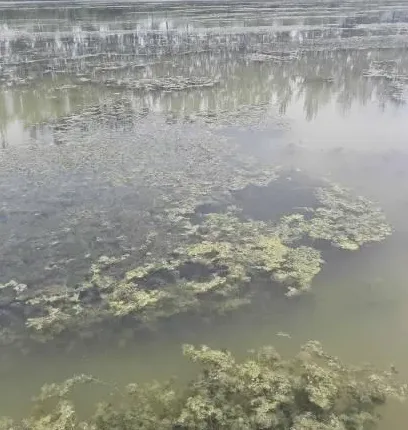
x=115 y=196
x=315 y=209
x=312 y=390
x=275 y=57
x=168 y=84
x=216 y=272
x=210 y=252
x=217 y=262
x=346 y=221
x=124 y=112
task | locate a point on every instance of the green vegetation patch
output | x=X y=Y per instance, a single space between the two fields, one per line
x=313 y=390
x=216 y=262
x=344 y=220
x=225 y=263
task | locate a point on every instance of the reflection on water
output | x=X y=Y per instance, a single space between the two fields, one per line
x=83 y=93
x=60 y=63
x=311 y=82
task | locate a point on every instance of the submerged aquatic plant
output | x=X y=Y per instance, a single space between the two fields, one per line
x=313 y=390
x=221 y=261
x=259 y=249
x=220 y=267
x=347 y=221
x=344 y=220
x=212 y=258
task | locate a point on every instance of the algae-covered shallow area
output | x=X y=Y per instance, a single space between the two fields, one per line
x=216 y=257
x=233 y=175
x=314 y=390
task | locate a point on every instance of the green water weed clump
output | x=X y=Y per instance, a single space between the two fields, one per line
x=347 y=221
x=312 y=390
x=344 y=220
x=215 y=259
x=221 y=266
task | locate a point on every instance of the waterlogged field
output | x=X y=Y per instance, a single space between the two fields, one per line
x=228 y=174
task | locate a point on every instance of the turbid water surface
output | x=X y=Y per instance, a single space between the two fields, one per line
x=108 y=111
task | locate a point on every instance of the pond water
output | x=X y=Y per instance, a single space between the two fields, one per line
x=108 y=109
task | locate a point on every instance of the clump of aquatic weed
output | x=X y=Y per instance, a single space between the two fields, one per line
x=313 y=390
x=345 y=221
x=221 y=266
x=332 y=212
x=216 y=262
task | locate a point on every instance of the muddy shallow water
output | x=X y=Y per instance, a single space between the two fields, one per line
x=107 y=113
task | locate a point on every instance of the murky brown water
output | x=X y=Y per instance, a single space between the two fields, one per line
x=322 y=87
